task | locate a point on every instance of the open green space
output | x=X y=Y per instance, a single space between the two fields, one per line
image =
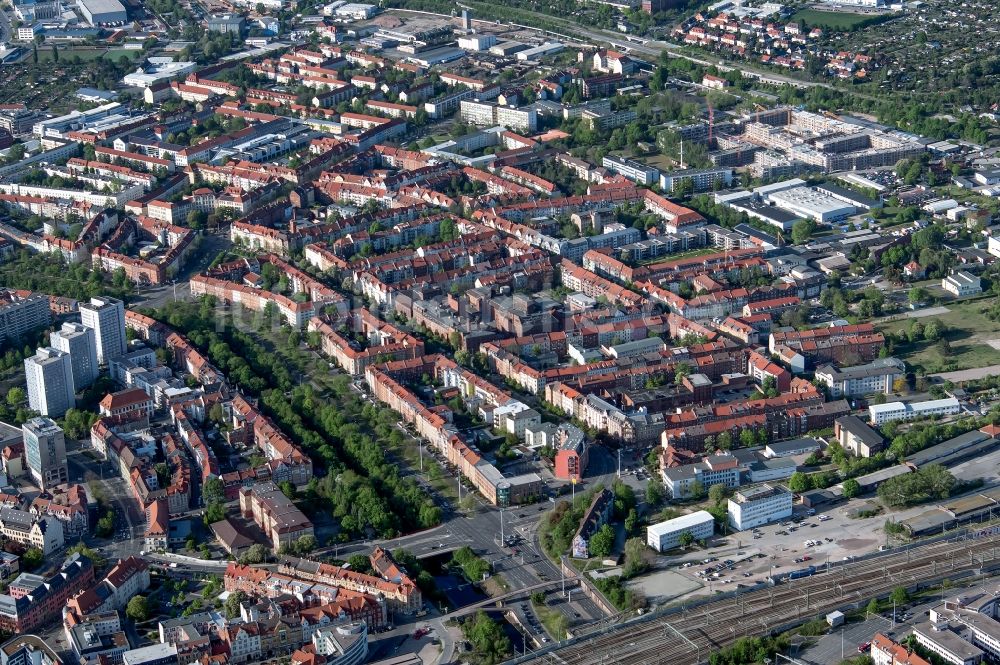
x=129 y=53
x=845 y=21
x=967 y=329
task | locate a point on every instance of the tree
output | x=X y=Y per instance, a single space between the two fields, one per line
x=213 y=490
x=16 y=396
x=917 y=294
x=852 y=488
x=488 y=640
x=635 y=561
x=256 y=554
x=799 y=482
x=655 y=492
x=32 y=559
x=233 y=603
x=899 y=385
x=288 y=489
x=873 y=607
x=602 y=542
x=697 y=490
x=685 y=539
x=899 y=596
x=359 y=563
x=724 y=441
x=718 y=493
x=106 y=525
x=802 y=230
x=214 y=512
x=137 y=608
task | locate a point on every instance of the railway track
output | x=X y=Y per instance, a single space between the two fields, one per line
x=690 y=636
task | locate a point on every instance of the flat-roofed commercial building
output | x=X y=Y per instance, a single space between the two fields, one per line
x=103 y=12
x=667 y=535
x=759 y=505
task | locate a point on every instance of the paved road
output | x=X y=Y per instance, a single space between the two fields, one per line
x=128 y=521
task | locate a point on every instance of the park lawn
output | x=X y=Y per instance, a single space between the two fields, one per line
x=701 y=251
x=968 y=331
x=65 y=54
x=835 y=20
x=129 y=53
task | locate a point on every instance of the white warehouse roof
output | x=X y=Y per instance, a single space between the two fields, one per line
x=680 y=523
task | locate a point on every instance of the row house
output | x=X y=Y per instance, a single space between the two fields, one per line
x=32 y=601
x=288 y=461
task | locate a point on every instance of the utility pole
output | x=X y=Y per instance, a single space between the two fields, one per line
x=562 y=572
x=420 y=447
x=503 y=540
x=619 y=462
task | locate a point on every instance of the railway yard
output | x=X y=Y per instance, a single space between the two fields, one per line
x=689 y=635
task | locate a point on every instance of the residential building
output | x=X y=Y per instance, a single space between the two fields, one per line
x=886 y=652
x=280 y=520
x=572 y=452
x=631 y=169
x=667 y=535
x=879 y=414
x=106 y=316
x=49 y=375
x=124 y=402
x=856 y=437
x=759 y=505
x=877 y=376
x=80 y=343
x=45 y=533
x=21 y=312
x=962 y=284
x=681 y=481
x=32 y=600
x=128 y=578
x=45 y=452
x=696 y=180
x=597 y=515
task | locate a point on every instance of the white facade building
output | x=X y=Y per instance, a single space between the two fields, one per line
x=875 y=377
x=49 y=374
x=962 y=284
x=107 y=317
x=666 y=535
x=759 y=505
x=883 y=413
x=80 y=343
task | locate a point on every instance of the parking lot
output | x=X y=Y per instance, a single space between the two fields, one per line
x=779 y=548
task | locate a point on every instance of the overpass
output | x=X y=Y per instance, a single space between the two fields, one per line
x=498 y=601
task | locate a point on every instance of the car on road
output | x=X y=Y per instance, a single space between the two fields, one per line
x=864 y=647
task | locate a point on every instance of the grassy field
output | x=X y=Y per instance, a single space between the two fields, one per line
x=66 y=54
x=968 y=331
x=839 y=21
x=129 y=53
x=701 y=251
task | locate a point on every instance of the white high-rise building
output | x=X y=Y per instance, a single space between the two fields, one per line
x=107 y=317
x=50 y=382
x=45 y=451
x=80 y=343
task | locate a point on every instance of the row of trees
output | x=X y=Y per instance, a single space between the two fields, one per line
x=345 y=436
